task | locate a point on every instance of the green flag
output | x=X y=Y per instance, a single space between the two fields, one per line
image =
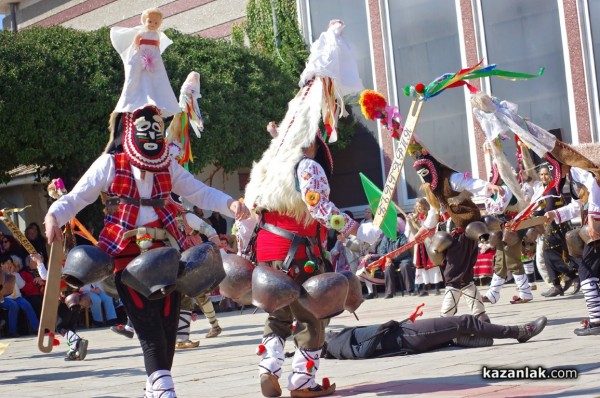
x=373 y=193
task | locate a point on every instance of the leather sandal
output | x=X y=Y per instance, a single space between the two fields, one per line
x=214 y=332
x=182 y=345
x=519 y=300
x=269 y=385
x=318 y=391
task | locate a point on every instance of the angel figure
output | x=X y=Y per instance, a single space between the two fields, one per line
x=146 y=80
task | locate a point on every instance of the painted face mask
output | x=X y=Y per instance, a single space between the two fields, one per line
x=427 y=169
x=144 y=141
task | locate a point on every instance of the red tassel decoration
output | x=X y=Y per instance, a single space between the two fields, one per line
x=326 y=383
x=310 y=365
x=55 y=341
x=417 y=313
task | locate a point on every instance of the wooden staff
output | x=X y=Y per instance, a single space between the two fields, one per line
x=48 y=316
x=394 y=253
x=530 y=222
x=16 y=232
x=399 y=157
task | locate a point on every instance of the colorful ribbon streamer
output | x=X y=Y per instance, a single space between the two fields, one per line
x=458 y=79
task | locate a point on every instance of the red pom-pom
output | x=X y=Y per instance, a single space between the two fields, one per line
x=261 y=349
x=420 y=88
x=326 y=383
x=310 y=365
x=293 y=326
x=55 y=342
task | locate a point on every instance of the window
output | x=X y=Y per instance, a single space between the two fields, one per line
x=356 y=32
x=592 y=52
x=425 y=44
x=523 y=36
x=364 y=153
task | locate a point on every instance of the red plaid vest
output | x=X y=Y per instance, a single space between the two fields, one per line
x=116 y=224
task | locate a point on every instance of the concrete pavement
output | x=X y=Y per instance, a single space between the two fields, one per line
x=226 y=366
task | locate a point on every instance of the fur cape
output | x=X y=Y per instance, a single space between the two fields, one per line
x=272 y=184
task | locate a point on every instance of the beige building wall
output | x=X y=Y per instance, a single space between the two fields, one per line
x=206 y=18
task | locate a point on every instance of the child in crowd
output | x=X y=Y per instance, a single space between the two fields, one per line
x=15 y=302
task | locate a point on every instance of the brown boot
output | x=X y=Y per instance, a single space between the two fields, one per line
x=214 y=332
x=318 y=391
x=185 y=344
x=269 y=385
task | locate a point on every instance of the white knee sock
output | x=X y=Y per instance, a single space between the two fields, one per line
x=271 y=350
x=208 y=309
x=529 y=271
x=493 y=294
x=523 y=287
x=450 y=301
x=183 y=329
x=162 y=384
x=473 y=299
x=304 y=367
x=591 y=292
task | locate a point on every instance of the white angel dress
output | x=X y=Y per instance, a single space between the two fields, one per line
x=146 y=80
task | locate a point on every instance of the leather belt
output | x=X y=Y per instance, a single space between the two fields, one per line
x=135 y=201
x=155 y=233
x=297 y=240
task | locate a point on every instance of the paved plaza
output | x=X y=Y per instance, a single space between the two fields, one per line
x=226 y=366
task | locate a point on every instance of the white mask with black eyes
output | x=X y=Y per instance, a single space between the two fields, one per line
x=144 y=140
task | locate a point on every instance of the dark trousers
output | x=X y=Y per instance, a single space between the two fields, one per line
x=67 y=318
x=460 y=260
x=155 y=323
x=428 y=334
x=590 y=262
x=407 y=273
x=555 y=264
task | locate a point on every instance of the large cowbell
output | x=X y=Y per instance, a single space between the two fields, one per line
x=86 y=264
x=354 y=298
x=478 y=231
x=246 y=299
x=238 y=276
x=153 y=273
x=575 y=244
x=324 y=295
x=109 y=286
x=200 y=270
x=273 y=289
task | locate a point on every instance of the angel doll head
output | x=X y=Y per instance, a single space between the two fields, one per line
x=152 y=18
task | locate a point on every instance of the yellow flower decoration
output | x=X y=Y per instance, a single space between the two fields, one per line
x=337 y=222
x=312 y=198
